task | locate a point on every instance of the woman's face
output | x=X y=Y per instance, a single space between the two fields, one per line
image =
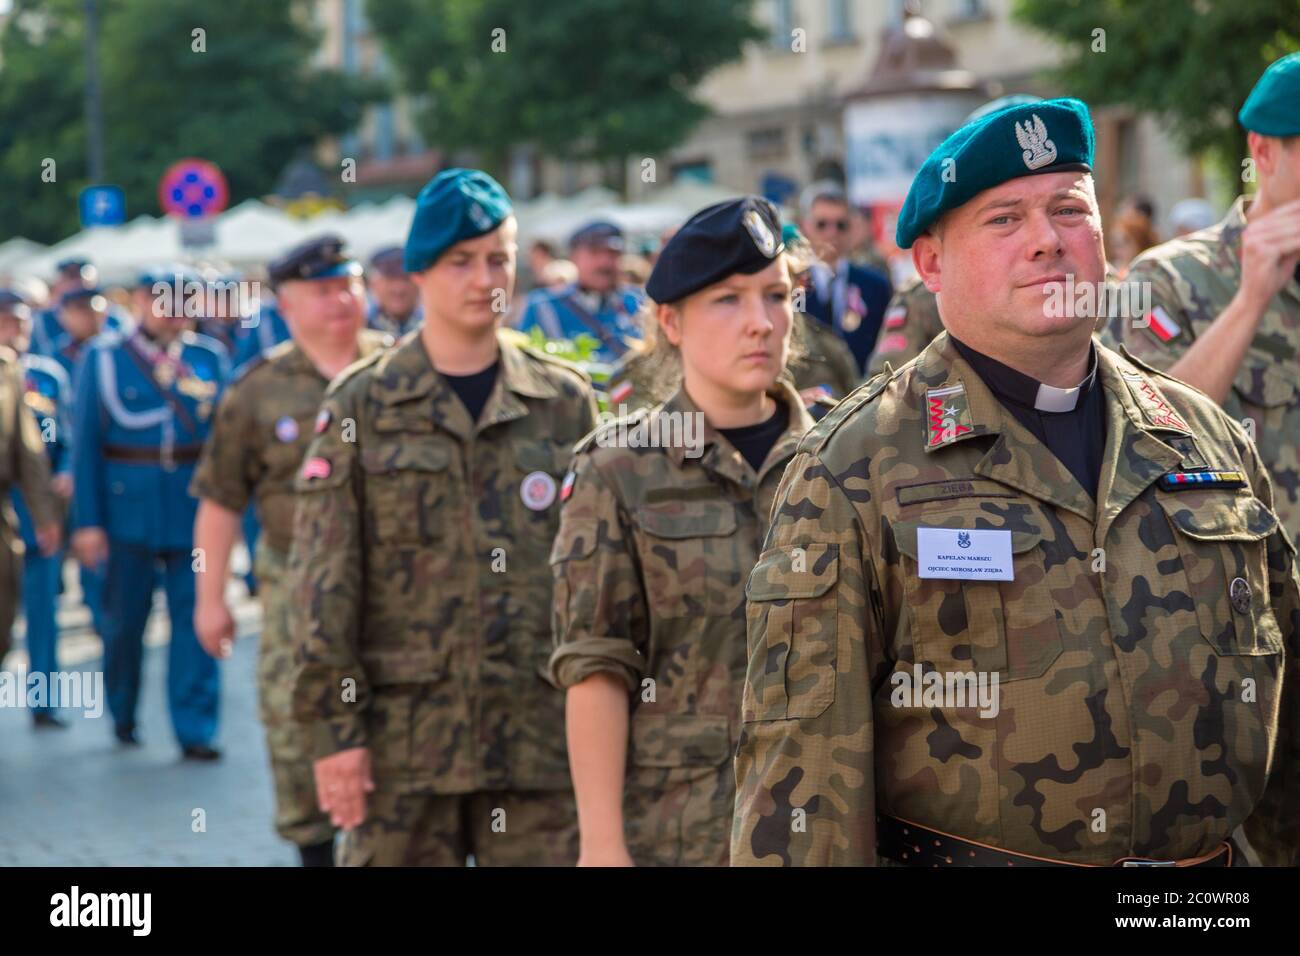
x=735 y=334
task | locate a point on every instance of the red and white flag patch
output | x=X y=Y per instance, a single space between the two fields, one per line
x=896 y=317
x=1162 y=326
x=316 y=468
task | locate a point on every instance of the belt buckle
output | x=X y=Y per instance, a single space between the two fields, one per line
x=1149 y=863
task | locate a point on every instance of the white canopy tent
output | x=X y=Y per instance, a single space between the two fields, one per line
x=250 y=234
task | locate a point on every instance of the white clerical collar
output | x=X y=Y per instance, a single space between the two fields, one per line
x=1052 y=399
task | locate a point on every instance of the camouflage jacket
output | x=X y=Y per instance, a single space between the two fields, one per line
x=654 y=548
x=911 y=322
x=24 y=464
x=1146 y=647
x=418 y=571
x=822 y=358
x=261 y=430
x=1192 y=279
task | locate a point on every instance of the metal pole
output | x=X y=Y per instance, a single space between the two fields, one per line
x=94 y=107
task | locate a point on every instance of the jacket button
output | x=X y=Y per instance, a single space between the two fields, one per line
x=129 y=391
x=118 y=488
x=1239 y=593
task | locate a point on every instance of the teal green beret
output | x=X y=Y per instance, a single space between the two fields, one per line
x=1273 y=107
x=1052 y=136
x=455 y=205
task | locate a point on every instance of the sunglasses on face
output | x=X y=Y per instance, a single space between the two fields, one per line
x=839 y=225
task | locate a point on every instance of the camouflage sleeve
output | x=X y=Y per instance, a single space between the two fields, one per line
x=225 y=472
x=329 y=688
x=31 y=464
x=1157 y=335
x=911 y=322
x=1273 y=829
x=599 y=609
x=805 y=788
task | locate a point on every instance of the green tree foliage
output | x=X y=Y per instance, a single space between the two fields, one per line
x=583 y=79
x=250 y=101
x=1193 y=63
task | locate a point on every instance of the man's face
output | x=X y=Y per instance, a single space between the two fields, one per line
x=995 y=260
x=317 y=308
x=83 y=317
x=13 y=331
x=396 y=294
x=597 y=266
x=470 y=285
x=827 y=228
x=1278 y=162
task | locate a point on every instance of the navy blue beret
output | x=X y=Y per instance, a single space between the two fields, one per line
x=738 y=235
x=601 y=233
x=455 y=205
x=319 y=258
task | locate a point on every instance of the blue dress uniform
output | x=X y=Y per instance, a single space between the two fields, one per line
x=263 y=335
x=852 y=300
x=142 y=414
x=569 y=312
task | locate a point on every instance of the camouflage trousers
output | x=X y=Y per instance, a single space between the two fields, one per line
x=679 y=816
x=497 y=828
x=298 y=817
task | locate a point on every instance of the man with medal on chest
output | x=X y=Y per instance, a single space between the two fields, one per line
x=143 y=408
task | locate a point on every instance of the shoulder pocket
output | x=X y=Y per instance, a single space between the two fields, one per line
x=793 y=618
x=1221 y=541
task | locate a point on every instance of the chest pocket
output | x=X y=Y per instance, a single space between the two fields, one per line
x=1221 y=541
x=1261 y=383
x=689 y=559
x=407 y=489
x=1007 y=627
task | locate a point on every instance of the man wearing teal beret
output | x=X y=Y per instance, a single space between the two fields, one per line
x=1023 y=601
x=1224 y=311
x=427 y=504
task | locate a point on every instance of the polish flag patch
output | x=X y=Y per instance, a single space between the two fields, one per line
x=892 y=343
x=895 y=317
x=566 y=489
x=316 y=468
x=620 y=393
x=1162 y=326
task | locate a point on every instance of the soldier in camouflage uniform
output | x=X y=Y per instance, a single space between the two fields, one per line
x=821 y=366
x=1225 y=301
x=253 y=453
x=655 y=543
x=24 y=465
x=421 y=595
x=1138 y=642
x=911 y=323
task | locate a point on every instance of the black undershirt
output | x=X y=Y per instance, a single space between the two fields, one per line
x=755 y=441
x=1077 y=437
x=473 y=390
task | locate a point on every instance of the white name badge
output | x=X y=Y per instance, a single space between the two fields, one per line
x=964 y=555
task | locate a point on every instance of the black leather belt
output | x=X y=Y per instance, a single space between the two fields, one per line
x=180 y=454
x=913 y=845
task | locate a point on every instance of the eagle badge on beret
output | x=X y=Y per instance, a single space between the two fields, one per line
x=1039 y=151
x=760 y=233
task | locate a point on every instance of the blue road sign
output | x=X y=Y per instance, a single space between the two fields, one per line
x=102 y=206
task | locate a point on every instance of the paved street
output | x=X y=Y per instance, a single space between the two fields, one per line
x=75 y=798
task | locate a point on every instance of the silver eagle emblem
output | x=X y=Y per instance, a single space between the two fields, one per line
x=1039 y=151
